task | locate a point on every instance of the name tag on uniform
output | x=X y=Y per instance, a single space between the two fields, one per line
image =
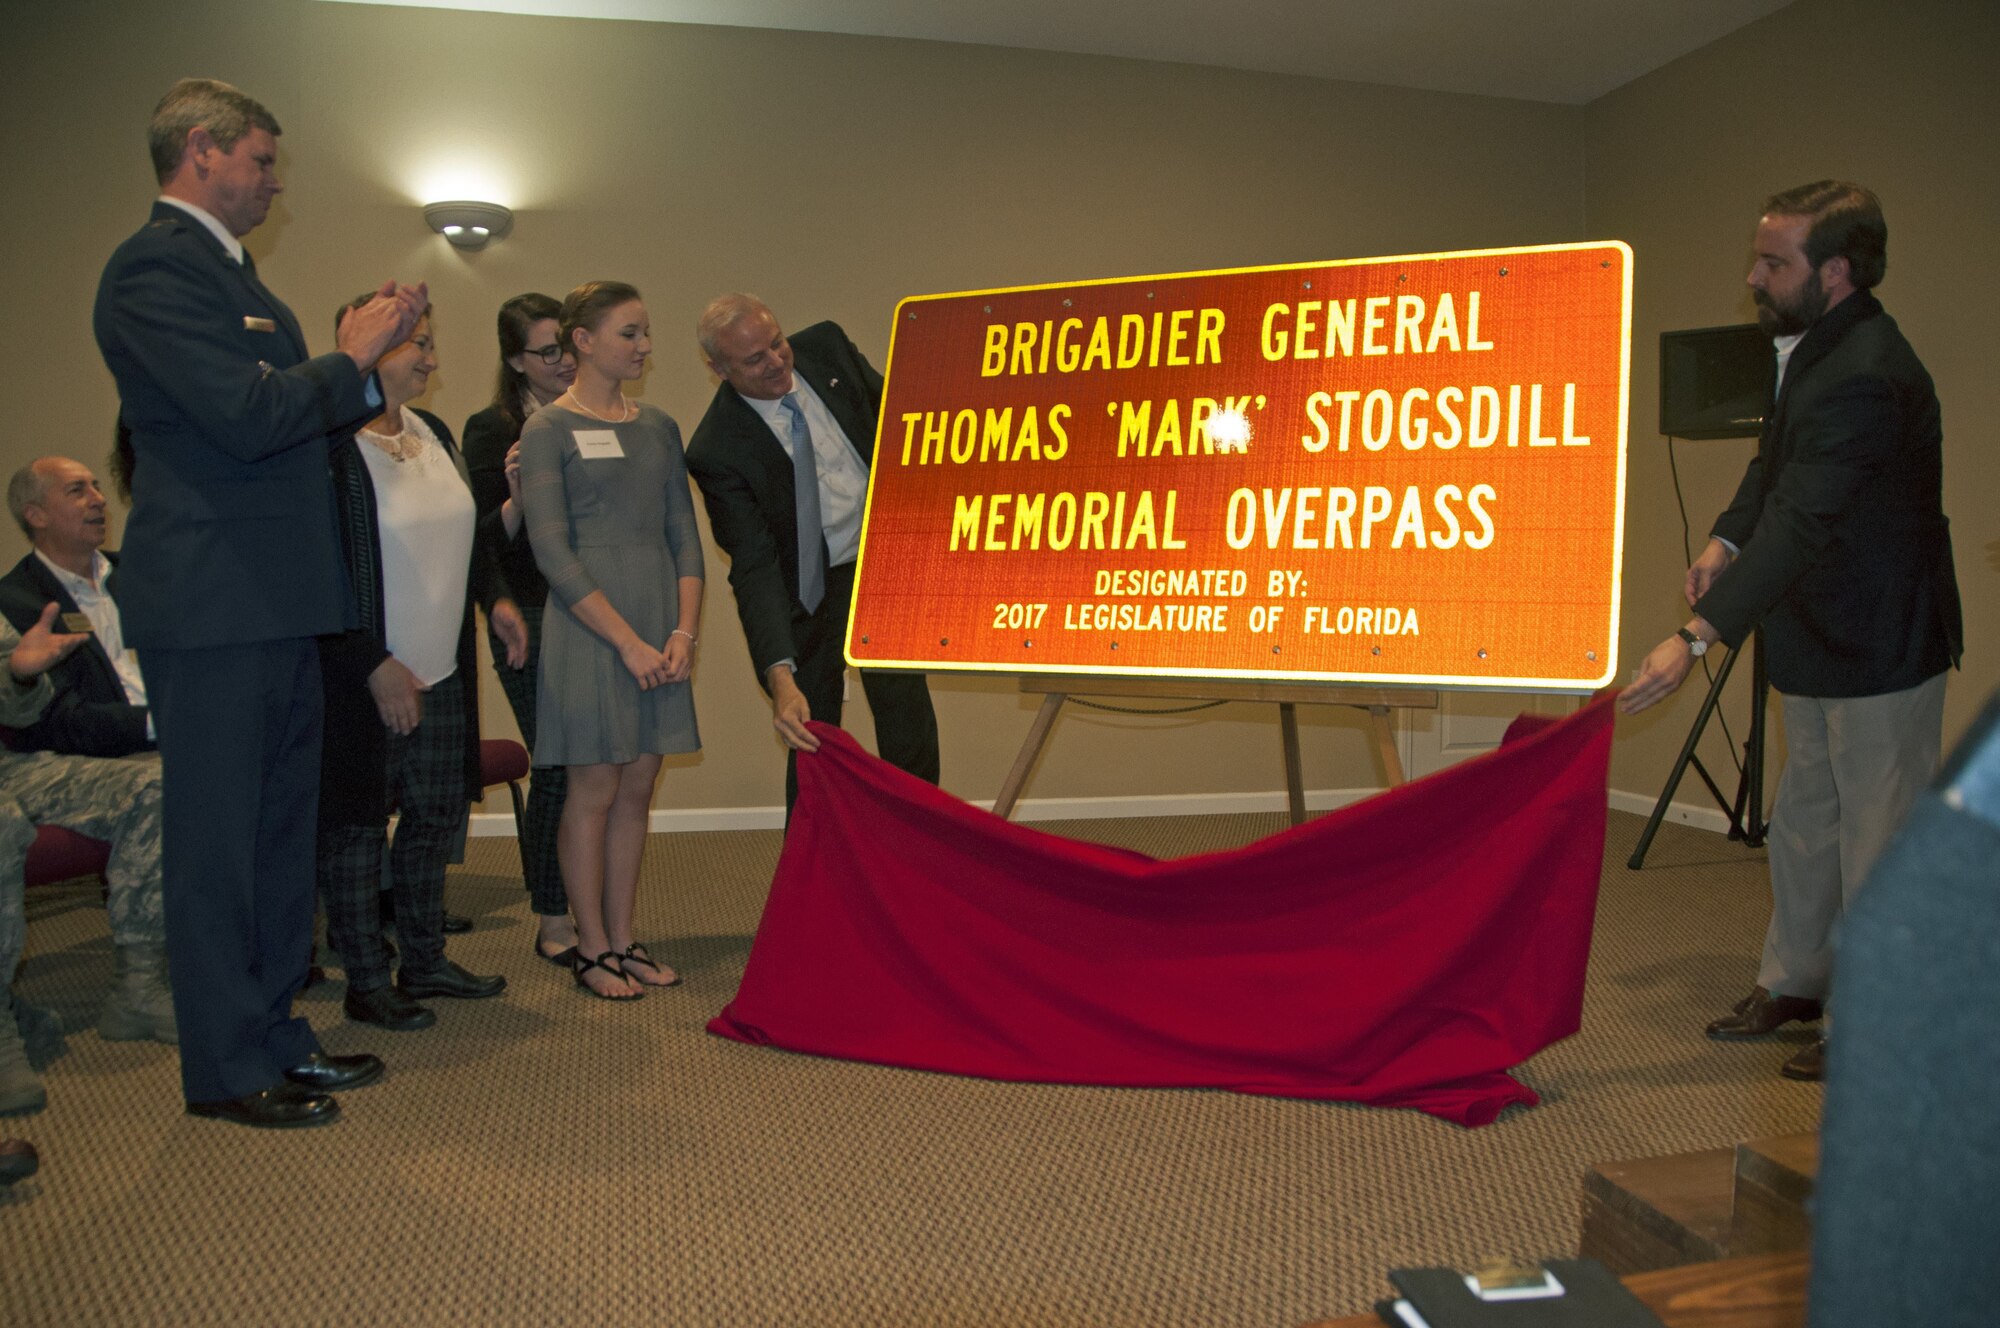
x=597 y=444
x=76 y=622
x=251 y=324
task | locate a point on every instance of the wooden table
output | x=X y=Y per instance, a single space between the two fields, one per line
x=1763 y=1291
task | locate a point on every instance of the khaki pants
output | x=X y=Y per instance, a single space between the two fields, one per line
x=1853 y=768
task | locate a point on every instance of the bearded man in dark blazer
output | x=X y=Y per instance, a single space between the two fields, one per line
x=787 y=408
x=232 y=568
x=1836 y=547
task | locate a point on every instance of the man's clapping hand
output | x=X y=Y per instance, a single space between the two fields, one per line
x=370 y=331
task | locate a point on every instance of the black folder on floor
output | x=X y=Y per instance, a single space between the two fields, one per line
x=1591 y=1298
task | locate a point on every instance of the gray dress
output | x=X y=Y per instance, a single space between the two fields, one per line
x=622 y=524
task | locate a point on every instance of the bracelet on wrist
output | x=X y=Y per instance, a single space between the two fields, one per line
x=689 y=635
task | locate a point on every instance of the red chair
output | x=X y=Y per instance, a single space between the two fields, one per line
x=58 y=854
x=64 y=855
x=505 y=761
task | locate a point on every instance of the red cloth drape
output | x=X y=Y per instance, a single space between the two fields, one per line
x=1404 y=951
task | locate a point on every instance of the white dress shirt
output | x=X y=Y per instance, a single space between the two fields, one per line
x=843 y=480
x=215 y=227
x=96 y=604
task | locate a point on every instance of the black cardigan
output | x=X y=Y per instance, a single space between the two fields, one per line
x=488 y=435
x=354 y=778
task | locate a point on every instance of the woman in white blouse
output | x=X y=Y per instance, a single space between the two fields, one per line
x=402 y=717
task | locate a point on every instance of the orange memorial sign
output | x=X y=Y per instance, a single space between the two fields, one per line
x=1402 y=470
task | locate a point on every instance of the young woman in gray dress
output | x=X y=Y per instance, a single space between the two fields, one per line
x=605 y=488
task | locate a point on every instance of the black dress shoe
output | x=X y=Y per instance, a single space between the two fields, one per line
x=456 y=924
x=449 y=979
x=387 y=1008
x=1760 y=1012
x=1809 y=1065
x=283 y=1106
x=330 y=1074
x=18 y=1160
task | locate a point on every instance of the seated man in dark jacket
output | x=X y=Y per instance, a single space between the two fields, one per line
x=100 y=698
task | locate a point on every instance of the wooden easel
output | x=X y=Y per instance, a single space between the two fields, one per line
x=1377 y=701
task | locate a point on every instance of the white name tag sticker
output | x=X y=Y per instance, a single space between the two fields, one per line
x=597 y=444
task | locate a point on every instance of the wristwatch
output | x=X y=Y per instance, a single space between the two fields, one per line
x=1696 y=646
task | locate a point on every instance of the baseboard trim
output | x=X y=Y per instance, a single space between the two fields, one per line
x=678 y=820
x=1680 y=813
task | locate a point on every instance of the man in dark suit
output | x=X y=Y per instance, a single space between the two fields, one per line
x=1836 y=548
x=792 y=410
x=100 y=703
x=232 y=568
x=96 y=709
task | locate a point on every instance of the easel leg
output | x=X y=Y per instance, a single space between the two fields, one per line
x=1385 y=741
x=1681 y=763
x=1295 y=784
x=1038 y=734
x=1752 y=819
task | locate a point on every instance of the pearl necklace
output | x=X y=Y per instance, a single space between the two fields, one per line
x=624 y=416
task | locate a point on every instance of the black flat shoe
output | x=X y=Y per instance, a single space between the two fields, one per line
x=579 y=966
x=450 y=980
x=456 y=924
x=331 y=1074
x=385 y=1007
x=563 y=958
x=285 y=1106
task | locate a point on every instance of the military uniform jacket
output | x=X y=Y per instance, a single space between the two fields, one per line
x=232 y=537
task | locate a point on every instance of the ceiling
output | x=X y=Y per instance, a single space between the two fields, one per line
x=1564 y=51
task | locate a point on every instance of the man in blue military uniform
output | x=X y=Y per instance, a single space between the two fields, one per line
x=232 y=568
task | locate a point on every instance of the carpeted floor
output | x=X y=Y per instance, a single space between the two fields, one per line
x=545 y=1158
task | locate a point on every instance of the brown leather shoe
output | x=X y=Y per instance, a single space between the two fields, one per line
x=1809 y=1065
x=1760 y=1012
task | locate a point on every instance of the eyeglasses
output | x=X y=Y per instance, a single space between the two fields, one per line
x=550 y=354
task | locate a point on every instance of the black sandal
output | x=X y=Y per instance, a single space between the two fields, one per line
x=635 y=953
x=580 y=965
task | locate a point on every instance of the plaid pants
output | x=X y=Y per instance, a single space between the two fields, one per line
x=549 y=784
x=427 y=789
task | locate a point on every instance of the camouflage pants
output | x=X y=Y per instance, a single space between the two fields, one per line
x=116 y=800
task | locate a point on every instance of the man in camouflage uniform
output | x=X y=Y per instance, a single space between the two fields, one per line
x=117 y=800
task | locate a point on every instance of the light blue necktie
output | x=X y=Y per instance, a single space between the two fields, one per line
x=805 y=486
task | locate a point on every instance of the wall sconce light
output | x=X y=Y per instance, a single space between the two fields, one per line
x=467 y=224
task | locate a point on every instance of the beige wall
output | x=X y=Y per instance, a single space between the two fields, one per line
x=835 y=175
x=1902 y=98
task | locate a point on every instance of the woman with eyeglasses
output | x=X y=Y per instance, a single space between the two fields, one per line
x=535 y=369
x=402 y=707
x=605 y=486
